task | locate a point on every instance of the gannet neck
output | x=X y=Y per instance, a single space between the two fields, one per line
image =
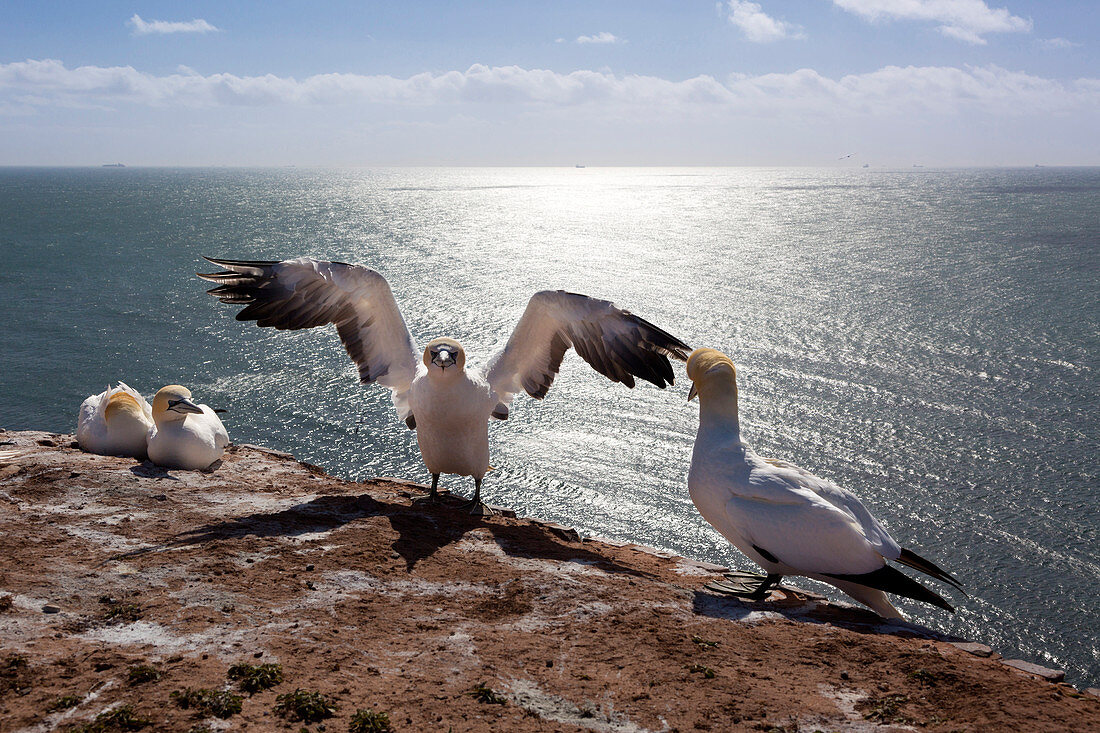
x=715 y=381
x=718 y=407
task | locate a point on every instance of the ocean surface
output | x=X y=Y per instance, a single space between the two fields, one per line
x=926 y=338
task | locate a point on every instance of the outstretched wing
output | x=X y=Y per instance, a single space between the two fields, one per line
x=305 y=293
x=617 y=343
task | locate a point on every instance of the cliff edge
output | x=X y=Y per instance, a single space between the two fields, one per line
x=267 y=595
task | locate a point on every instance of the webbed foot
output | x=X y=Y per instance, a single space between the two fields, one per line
x=746 y=585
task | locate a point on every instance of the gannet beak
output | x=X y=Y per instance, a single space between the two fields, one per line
x=444 y=359
x=693 y=392
x=185 y=406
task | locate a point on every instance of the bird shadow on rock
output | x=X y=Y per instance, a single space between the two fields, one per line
x=322 y=514
x=859 y=620
x=145 y=469
x=424 y=529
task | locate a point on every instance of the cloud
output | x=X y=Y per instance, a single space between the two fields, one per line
x=601 y=37
x=758 y=26
x=146 y=27
x=964 y=20
x=1057 y=43
x=887 y=91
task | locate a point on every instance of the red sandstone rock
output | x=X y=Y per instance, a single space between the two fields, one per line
x=422 y=612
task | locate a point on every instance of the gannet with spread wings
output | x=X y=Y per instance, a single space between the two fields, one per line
x=448 y=405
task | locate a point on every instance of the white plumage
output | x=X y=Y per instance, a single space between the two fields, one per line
x=447 y=405
x=784 y=518
x=186 y=435
x=115 y=423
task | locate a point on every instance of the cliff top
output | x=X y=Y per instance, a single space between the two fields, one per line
x=128 y=593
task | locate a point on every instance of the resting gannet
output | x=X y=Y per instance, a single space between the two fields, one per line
x=115 y=423
x=186 y=435
x=448 y=405
x=784 y=518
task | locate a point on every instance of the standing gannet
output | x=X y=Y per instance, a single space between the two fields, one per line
x=448 y=405
x=784 y=518
x=186 y=435
x=115 y=423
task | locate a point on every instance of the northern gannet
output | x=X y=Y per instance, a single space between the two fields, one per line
x=784 y=518
x=186 y=435
x=115 y=423
x=448 y=405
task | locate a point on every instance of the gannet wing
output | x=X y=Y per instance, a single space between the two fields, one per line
x=870 y=527
x=843 y=500
x=617 y=343
x=305 y=293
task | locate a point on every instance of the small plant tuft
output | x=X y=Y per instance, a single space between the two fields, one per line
x=64 y=703
x=707 y=672
x=142 y=673
x=922 y=677
x=219 y=703
x=253 y=678
x=122 y=718
x=368 y=721
x=485 y=695
x=121 y=613
x=703 y=642
x=309 y=707
x=885 y=709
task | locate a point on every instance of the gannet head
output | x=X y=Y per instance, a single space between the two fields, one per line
x=122 y=406
x=711 y=369
x=444 y=353
x=173 y=403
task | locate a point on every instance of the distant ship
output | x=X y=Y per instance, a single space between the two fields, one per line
x=866 y=165
x=579 y=165
x=114 y=165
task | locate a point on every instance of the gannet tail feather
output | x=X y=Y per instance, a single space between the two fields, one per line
x=615 y=342
x=894 y=581
x=305 y=293
x=915 y=561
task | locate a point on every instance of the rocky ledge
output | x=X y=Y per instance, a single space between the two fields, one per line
x=267 y=595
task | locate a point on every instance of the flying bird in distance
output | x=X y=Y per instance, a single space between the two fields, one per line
x=448 y=405
x=784 y=518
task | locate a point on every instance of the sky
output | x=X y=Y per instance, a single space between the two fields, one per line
x=625 y=82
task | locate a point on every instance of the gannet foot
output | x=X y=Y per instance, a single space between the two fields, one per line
x=433 y=493
x=477 y=508
x=746 y=585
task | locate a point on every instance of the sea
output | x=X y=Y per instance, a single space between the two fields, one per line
x=926 y=338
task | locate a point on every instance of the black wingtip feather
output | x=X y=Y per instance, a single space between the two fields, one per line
x=894 y=581
x=915 y=561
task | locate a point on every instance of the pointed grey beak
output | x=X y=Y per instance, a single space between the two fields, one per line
x=185 y=406
x=693 y=392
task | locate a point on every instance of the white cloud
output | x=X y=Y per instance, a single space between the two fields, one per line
x=964 y=20
x=1057 y=43
x=758 y=26
x=146 y=27
x=601 y=37
x=889 y=90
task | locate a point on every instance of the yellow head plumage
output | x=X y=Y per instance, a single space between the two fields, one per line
x=444 y=353
x=173 y=403
x=711 y=371
x=122 y=403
